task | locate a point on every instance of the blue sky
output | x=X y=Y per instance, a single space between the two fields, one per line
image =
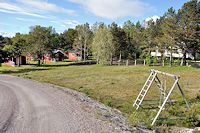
x=19 y=15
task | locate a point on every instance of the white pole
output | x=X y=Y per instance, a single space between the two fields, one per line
x=161 y=108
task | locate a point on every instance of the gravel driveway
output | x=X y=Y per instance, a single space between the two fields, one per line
x=28 y=106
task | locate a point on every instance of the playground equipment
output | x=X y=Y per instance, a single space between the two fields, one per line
x=164 y=95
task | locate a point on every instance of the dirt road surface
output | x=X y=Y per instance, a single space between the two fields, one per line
x=28 y=106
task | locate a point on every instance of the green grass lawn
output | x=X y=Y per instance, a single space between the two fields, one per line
x=115 y=86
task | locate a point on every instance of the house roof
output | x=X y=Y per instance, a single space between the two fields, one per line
x=74 y=50
x=58 y=51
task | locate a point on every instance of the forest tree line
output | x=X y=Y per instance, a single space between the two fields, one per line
x=172 y=31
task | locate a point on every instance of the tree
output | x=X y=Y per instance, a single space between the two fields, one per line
x=149 y=36
x=103 y=47
x=134 y=38
x=1 y=42
x=119 y=41
x=2 y=53
x=54 y=42
x=67 y=39
x=188 y=31
x=40 y=39
x=128 y=28
x=167 y=32
x=83 y=39
x=17 y=46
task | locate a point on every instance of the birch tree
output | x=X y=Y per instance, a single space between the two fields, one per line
x=83 y=39
x=103 y=47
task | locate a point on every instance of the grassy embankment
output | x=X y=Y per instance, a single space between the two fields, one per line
x=118 y=86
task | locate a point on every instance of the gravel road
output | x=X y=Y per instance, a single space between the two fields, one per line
x=27 y=106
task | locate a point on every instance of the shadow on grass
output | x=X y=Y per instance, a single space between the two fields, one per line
x=71 y=64
x=20 y=71
x=43 y=67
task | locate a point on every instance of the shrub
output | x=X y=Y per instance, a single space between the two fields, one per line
x=149 y=59
x=191 y=118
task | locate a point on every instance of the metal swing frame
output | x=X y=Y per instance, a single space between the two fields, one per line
x=153 y=77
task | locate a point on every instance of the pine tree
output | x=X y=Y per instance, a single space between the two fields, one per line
x=119 y=41
x=168 y=32
x=188 y=20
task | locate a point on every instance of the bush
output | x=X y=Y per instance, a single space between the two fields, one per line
x=191 y=116
x=144 y=118
x=148 y=59
x=155 y=60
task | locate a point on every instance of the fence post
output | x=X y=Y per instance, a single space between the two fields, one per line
x=126 y=62
x=119 y=62
x=135 y=62
x=181 y=62
x=144 y=63
x=163 y=63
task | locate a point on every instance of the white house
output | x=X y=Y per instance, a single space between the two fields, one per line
x=177 y=54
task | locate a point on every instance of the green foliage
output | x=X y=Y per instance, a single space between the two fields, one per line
x=190 y=117
x=67 y=38
x=149 y=59
x=188 y=28
x=103 y=47
x=9 y=48
x=155 y=60
x=144 y=118
x=40 y=40
x=83 y=39
x=183 y=116
x=119 y=40
x=108 y=102
x=3 y=53
x=177 y=62
x=134 y=38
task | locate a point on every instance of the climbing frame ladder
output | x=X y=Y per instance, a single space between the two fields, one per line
x=144 y=90
x=153 y=77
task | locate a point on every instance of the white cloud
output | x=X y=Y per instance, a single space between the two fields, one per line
x=66 y=23
x=146 y=21
x=25 y=19
x=15 y=9
x=5 y=34
x=10 y=7
x=154 y=18
x=45 y=6
x=114 y=9
x=35 y=8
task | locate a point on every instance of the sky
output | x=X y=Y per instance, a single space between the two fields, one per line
x=20 y=15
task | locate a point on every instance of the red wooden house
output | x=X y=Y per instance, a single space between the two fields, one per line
x=74 y=55
x=16 y=61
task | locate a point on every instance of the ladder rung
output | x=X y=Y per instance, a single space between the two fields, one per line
x=139 y=100
x=150 y=79
x=145 y=90
x=141 y=95
x=137 y=104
